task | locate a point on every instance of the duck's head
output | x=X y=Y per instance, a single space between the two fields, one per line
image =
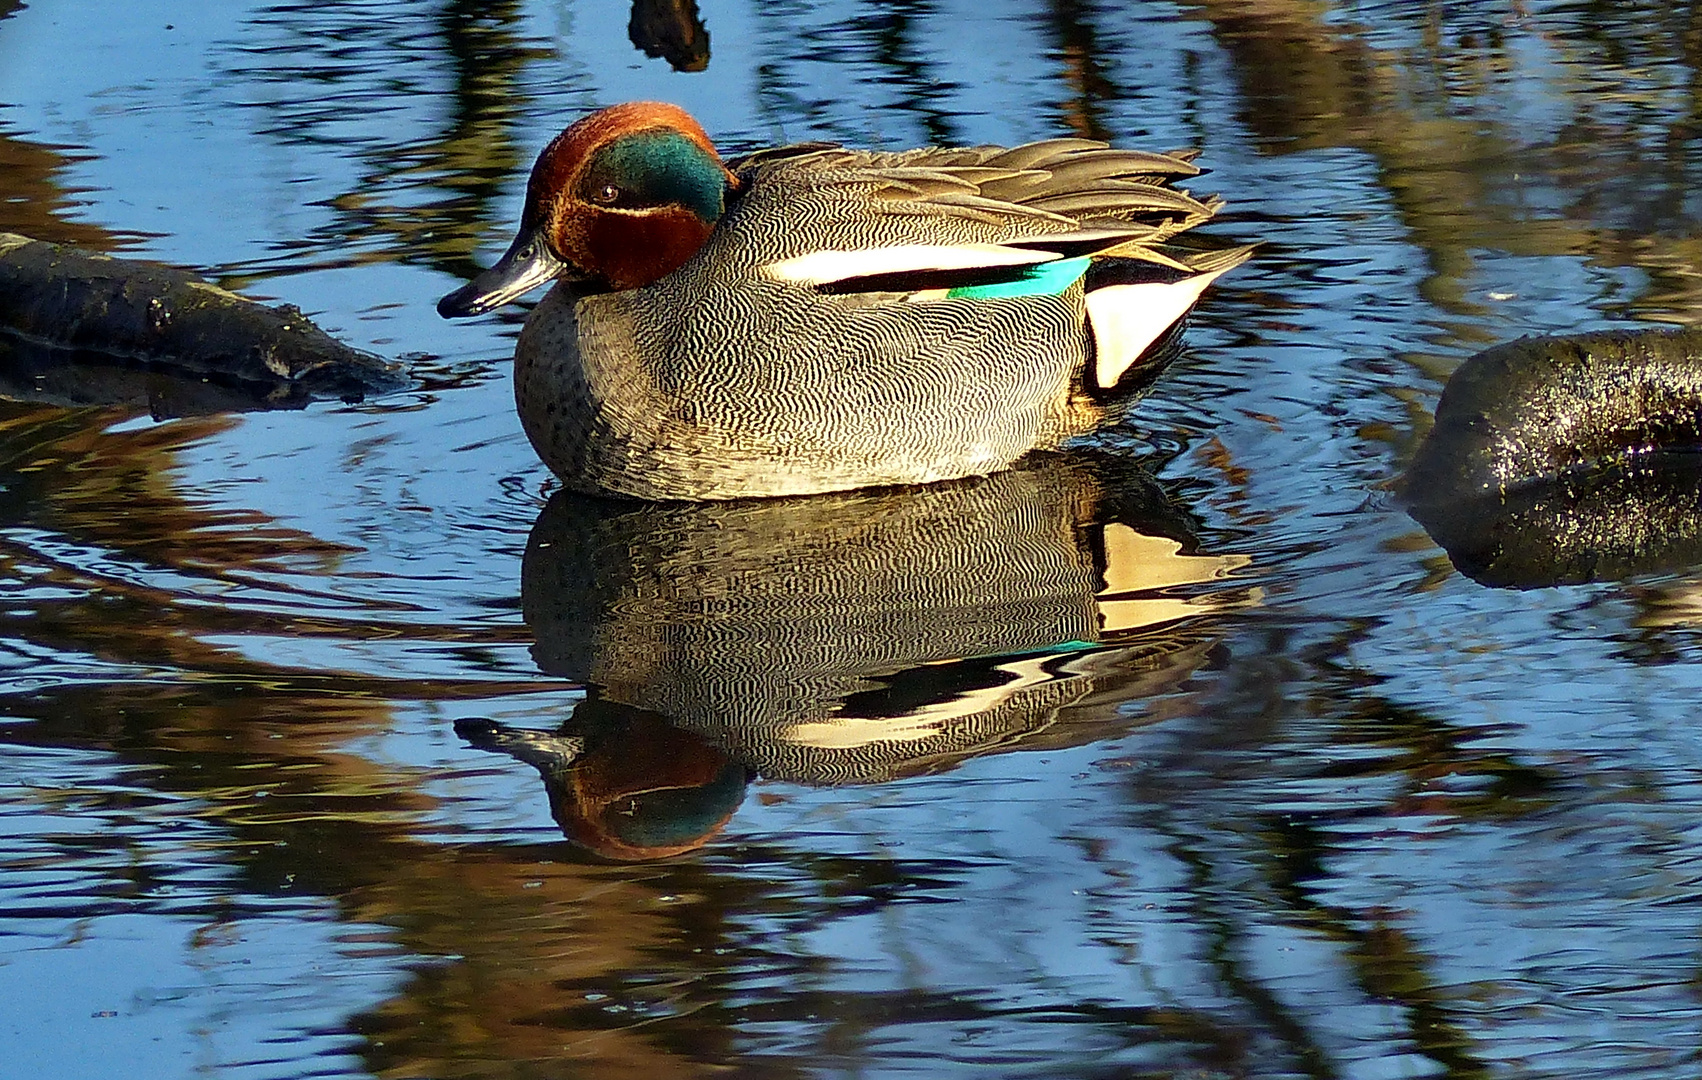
x=618 y=200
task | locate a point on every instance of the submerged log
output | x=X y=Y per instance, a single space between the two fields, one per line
x=82 y=328
x=1563 y=460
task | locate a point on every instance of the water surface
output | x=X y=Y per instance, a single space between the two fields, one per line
x=1191 y=754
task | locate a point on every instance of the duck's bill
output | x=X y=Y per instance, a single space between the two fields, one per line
x=526 y=264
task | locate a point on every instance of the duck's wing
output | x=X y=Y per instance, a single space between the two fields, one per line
x=1086 y=182
x=959 y=217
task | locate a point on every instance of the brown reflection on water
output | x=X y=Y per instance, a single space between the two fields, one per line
x=545 y=950
x=38 y=203
x=73 y=471
x=1610 y=186
x=533 y=937
x=478 y=155
x=1084 y=69
x=34 y=200
x=425 y=201
x=269 y=761
x=108 y=558
x=598 y=969
x=73 y=476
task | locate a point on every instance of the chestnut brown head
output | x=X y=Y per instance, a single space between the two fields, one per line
x=619 y=200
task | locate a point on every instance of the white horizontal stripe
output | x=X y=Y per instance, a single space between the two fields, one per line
x=823 y=267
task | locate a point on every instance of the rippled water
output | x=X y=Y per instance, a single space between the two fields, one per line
x=1188 y=755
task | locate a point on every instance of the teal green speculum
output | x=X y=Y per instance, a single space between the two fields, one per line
x=1047 y=279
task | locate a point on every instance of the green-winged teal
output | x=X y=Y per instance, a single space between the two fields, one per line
x=811 y=318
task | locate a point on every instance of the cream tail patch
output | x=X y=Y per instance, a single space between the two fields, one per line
x=1128 y=318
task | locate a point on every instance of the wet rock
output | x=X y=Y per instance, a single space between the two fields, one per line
x=1562 y=460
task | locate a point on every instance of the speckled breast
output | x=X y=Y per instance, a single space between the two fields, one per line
x=690 y=389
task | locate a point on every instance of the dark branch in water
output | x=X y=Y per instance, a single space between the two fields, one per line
x=671 y=29
x=73 y=324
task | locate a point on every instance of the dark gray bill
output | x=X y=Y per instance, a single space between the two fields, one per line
x=527 y=263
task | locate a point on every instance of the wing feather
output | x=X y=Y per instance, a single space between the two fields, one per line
x=883 y=216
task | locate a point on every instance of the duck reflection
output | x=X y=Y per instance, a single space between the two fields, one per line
x=40 y=201
x=855 y=637
x=622 y=782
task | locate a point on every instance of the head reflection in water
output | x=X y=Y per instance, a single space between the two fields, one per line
x=849 y=638
x=624 y=784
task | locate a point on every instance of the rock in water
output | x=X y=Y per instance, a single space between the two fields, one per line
x=1562 y=460
x=1537 y=409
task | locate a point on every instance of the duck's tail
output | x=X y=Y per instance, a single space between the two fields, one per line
x=1128 y=316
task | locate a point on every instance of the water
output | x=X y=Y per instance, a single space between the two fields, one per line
x=1072 y=773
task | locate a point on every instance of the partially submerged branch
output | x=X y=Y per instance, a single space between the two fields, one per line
x=79 y=327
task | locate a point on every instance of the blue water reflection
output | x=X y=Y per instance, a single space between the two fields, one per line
x=1376 y=820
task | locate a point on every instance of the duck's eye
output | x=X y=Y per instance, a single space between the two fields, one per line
x=607 y=195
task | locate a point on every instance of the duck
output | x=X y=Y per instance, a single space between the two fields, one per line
x=811 y=318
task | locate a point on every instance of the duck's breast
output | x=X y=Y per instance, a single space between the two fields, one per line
x=706 y=391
